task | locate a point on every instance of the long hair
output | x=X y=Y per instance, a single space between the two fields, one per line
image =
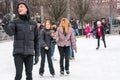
x=66 y=24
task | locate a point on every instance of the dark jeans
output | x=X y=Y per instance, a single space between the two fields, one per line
x=76 y=32
x=103 y=38
x=64 y=53
x=52 y=49
x=19 y=60
x=43 y=55
x=71 y=52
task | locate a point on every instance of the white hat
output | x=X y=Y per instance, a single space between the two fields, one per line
x=98 y=22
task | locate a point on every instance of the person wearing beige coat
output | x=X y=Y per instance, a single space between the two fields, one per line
x=64 y=38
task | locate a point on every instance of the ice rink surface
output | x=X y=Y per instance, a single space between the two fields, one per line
x=89 y=63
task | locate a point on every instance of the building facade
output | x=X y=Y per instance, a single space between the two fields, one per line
x=103 y=6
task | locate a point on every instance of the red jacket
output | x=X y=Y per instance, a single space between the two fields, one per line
x=99 y=30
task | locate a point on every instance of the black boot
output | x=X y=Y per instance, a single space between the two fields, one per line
x=41 y=74
x=97 y=48
x=67 y=72
x=62 y=72
x=53 y=74
x=105 y=45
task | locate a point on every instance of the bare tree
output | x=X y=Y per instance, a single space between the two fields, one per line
x=4 y=7
x=81 y=8
x=56 y=8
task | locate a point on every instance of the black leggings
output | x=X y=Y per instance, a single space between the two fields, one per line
x=64 y=53
x=103 y=38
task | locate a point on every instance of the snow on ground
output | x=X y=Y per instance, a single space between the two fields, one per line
x=89 y=63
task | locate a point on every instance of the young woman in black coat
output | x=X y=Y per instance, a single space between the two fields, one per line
x=45 y=48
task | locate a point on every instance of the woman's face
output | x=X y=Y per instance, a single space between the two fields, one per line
x=47 y=25
x=103 y=21
x=63 y=24
x=99 y=24
x=22 y=10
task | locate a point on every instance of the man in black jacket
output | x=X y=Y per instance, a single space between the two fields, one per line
x=26 y=40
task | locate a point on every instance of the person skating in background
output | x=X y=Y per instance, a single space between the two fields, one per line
x=39 y=25
x=75 y=27
x=100 y=33
x=72 y=56
x=105 y=25
x=45 y=48
x=53 y=29
x=26 y=40
x=94 y=30
x=65 y=37
x=87 y=30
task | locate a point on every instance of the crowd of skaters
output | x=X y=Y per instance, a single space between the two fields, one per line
x=32 y=38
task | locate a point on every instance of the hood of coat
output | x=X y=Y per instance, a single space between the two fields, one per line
x=27 y=16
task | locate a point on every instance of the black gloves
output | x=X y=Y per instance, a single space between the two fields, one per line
x=36 y=60
x=6 y=19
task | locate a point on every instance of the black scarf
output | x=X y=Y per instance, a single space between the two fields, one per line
x=24 y=17
x=64 y=32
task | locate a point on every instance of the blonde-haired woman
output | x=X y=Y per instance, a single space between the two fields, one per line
x=65 y=37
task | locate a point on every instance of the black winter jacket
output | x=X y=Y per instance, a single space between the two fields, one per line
x=26 y=39
x=45 y=38
x=74 y=25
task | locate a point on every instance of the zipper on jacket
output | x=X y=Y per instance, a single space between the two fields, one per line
x=26 y=36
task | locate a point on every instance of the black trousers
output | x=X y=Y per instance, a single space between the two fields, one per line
x=64 y=54
x=19 y=60
x=43 y=55
x=103 y=38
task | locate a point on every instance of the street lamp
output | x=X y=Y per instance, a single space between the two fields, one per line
x=11 y=11
x=42 y=13
x=68 y=9
x=110 y=16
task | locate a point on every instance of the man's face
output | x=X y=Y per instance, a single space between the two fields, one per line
x=22 y=10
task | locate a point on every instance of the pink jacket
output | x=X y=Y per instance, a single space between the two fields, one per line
x=87 y=29
x=65 y=40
